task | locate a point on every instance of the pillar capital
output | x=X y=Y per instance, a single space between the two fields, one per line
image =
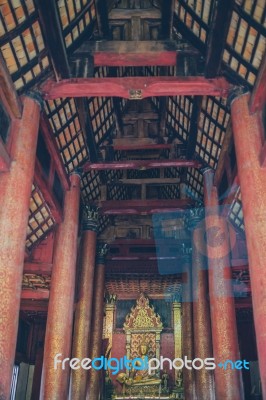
x=101 y=252
x=176 y=297
x=235 y=93
x=36 y=96
x=110 y=299
x=90 y=218
x=76 y=171
x=194 y=217
x=206 y=170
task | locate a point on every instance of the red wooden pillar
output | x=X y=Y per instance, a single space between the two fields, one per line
x=15 y=188
x=83 y=314
x=187 y=327
x=247 y=131
x=97 y=323
x=228 y=382
x=61 y=303
x=204 y=379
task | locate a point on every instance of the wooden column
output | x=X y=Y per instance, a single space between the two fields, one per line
x=15 y=191
x=228 y=382
x=61 y=303
x=187 y=328
x=96 y=341
x=247 y=131
x=201 y=311
x=83 y=314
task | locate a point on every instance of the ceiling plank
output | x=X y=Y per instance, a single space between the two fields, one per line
x=217 y=37
x=258 y=95
x=9 y=92
x=136 y=87
x=141 y=164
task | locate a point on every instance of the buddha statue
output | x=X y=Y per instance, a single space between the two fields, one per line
x=139 y=377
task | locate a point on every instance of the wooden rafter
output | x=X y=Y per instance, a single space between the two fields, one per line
x=136 y=87
x=217 y=37
x=167 y=19
x=193 y=131
x=258 y=95
x=4 y=158
x=223 y=155
x=102 y=18
x=49 y=197
x=53 y=33
x=53 y=150
x=7 y=89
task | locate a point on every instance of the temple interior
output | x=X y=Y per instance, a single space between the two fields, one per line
x=132 y=199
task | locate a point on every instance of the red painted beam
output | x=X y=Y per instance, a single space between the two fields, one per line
x=37 y=268
x=53 y=149
x=4 y=158
x=141 y=164
x=142 y=207
x=40 y=294
x=136 y=87
x=48 y=196
x=133 y=53
x=131 y=147
x=258 y=95
x=32 y=305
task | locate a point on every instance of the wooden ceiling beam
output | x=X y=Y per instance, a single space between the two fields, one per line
x=217 y=37
x=53 y=150
x=193 y=131
x=37 y=268
x=167 y=19
x=102 y=18
x=135 y=146
x=143 y=13
x=135 y=88
x=48 y=196
x=141 y=164
x=40 y=294
x=8 y=91
x=147 y=181
x=5 y=160
x=258 y=95
x=53 y=34
x=133 y=53
x=223 y=155
x=142 y=207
